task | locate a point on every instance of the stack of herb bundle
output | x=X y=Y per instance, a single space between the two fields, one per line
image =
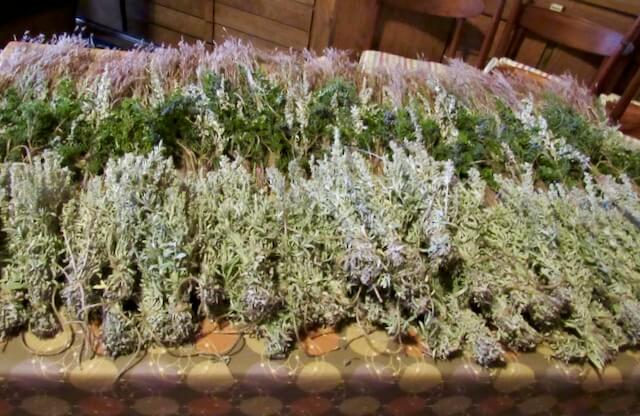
x=287 y=193
x=33 y=245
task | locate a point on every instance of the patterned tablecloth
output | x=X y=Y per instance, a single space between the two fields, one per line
x=226 y=373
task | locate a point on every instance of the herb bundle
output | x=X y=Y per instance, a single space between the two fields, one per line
x=293 y=192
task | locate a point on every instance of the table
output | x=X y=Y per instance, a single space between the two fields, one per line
x=329 y=373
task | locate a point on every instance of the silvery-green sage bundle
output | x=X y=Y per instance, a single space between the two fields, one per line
x=310 y=277
x=38 y=190
x=597 y=234
x=453 y=326
x=393 y=227
x=104 y=229
x=164 y=263
x=236 y=235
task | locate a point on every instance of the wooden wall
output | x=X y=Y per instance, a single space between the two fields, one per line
x=266 y=23
x=269 y=23
x=350 y=24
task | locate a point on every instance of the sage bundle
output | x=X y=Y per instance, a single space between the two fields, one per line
x=236 y=232
x=164 y=261
x=105 y=227
x=311 y=280
x=38 y=191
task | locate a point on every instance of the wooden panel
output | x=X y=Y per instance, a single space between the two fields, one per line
x=221 y=33
x=559 y=60
x=355 y=24
x=260 y=27
x=581 y=34
x=625 y=6
x=413 y=35
x=157 y=34
x=171 y=19
x=289 y=12
x=322 y=25
x=581 y=65
x=473 y=35
x=192 y=7
x=597 y=14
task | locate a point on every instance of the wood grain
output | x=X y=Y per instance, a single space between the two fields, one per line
x=220 y=33
x=192 y=7
x=413 y=35
x=625 y=6
x=472 y=37
x=145 y=11
x=289 y=12
x=575 y=32
x=322 y=25
x=158 y=34
x=260 y=27
x=355 y=23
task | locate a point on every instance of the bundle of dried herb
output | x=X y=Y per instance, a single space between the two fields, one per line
x=165 y=262
x=37 y=191
x=236 y=233
x=311 y=280
x=104 y=229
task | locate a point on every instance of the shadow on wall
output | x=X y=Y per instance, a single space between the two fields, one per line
x=36 y=16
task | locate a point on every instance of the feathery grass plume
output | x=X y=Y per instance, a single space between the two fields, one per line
x=38 y=191
x=311 y=282
x=236 y=235
x=164 y=261
x=40 y=65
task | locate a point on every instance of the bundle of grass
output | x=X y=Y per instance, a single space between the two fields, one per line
x=551 y=265
x=453 y=326
x=37 y=192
